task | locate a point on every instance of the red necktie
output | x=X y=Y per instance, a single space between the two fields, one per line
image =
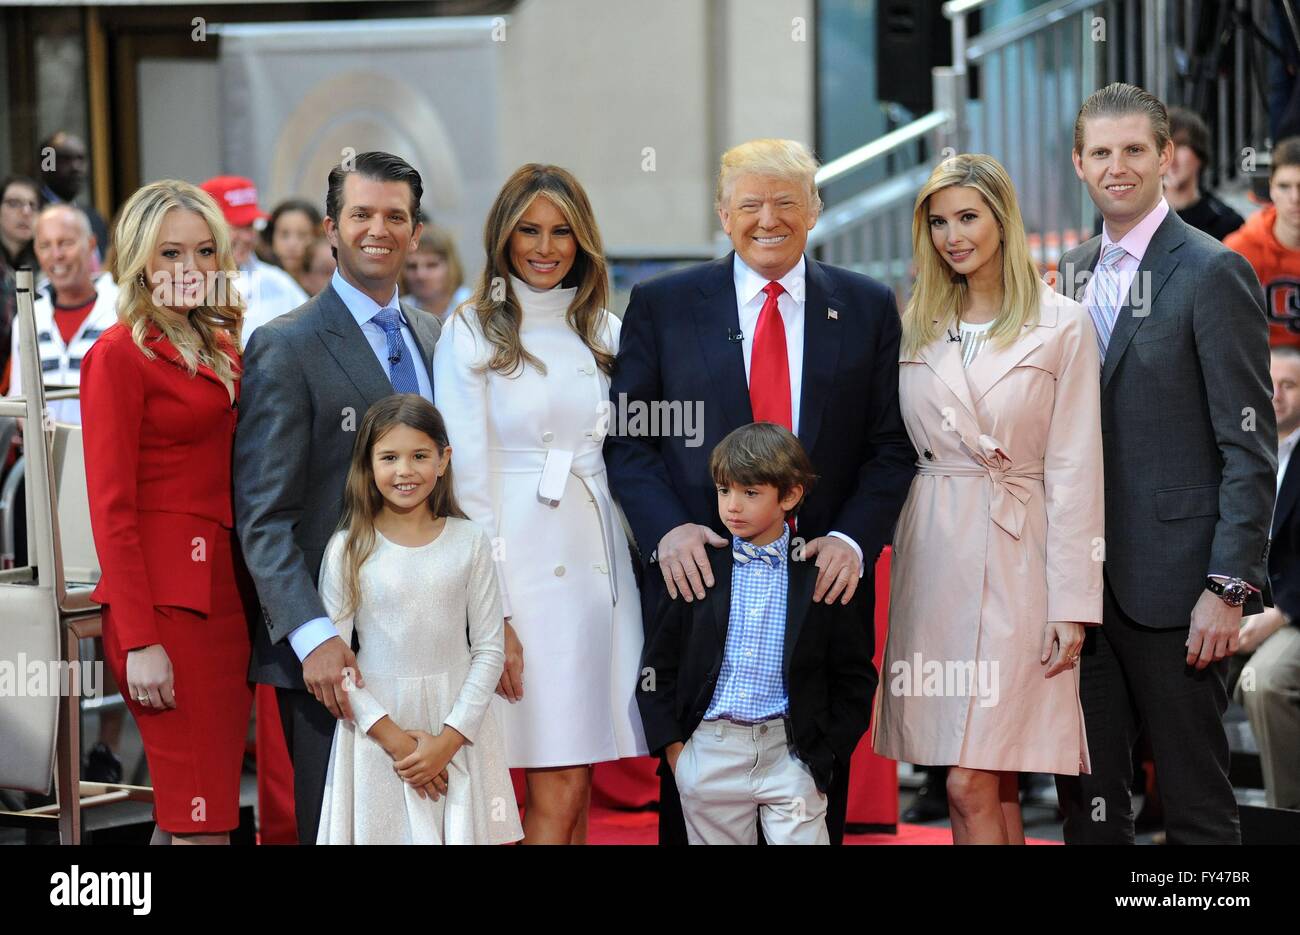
x=769 y=365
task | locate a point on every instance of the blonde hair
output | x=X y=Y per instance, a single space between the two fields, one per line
x=212 y=338
x=782 y=159
x=362 y=500
x=437 y=241
x=1119 y=100
x=499 y=313
x=939 y=293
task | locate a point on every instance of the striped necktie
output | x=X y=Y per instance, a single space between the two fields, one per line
x=745 y=552
x=1105 y=304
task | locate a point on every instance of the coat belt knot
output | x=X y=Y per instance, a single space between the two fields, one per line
x=1013 y=484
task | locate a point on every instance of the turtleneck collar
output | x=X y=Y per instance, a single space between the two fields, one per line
x=542 y=302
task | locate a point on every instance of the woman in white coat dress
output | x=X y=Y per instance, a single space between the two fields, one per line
x=522 y=378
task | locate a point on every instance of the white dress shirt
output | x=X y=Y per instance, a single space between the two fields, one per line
x=790 y=303
x=61 y=363
x=363 y=308
x=1135 y=244
x=268 y=292
x=1284 y=449
x=750 y=298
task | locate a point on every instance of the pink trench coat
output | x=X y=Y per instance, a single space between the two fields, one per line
x=1001 y=532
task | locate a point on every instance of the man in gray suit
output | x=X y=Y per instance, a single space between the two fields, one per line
x=1190 y=459
x=309 y=377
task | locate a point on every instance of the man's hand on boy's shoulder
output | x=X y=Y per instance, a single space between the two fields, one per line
x=838 y=569
x=684 y=560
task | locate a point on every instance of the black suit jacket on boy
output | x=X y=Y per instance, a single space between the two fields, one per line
x=826 y=664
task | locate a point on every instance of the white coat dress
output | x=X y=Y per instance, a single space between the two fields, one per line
x=528 y=467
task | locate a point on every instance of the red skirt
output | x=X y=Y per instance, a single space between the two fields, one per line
x=196 y=750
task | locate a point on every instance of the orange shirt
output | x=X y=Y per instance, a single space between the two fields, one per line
x=1278 y=269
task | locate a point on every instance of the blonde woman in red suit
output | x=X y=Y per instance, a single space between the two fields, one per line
x=158 y=392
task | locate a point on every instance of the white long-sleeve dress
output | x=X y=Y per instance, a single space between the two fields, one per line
x=420 y=670
x=529 y=468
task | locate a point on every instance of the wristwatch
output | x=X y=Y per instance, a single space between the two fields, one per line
x=1232 y=591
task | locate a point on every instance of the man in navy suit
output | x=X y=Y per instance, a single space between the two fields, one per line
x=1269 y=645
x=764 y=334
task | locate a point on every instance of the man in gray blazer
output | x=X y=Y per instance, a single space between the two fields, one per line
x=1190 y=459
x=309 y=377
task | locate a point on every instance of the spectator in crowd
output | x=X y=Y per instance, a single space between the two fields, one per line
x=62 y=160
x=19 y=202
x=434 y=278
x=73 y=307
x=268 y=291
x=318 y=266
x=1270 y=240
x=1183 y=180
x=294 y=226
x=1267 y=664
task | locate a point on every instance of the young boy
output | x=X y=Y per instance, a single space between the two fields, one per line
x=755 y=694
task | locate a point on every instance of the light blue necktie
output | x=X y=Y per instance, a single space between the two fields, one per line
x=401 y=369
x=745 y=552
x=1105 y=304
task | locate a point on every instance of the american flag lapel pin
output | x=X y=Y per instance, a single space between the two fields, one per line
x=832 y=314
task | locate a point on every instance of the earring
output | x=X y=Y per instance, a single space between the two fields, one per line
x=140 y=277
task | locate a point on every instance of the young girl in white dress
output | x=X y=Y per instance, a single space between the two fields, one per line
x=424 y=761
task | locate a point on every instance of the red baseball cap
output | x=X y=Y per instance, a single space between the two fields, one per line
x=237 y=198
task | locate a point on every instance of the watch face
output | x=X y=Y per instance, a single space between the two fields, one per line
x=1235 y=594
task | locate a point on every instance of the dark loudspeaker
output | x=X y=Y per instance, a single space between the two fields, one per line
x=912 y=36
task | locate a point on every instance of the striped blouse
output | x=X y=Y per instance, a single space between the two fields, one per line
x=973 y=338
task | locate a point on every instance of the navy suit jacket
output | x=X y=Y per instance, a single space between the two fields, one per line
x=1284 y=550
x=678 y=345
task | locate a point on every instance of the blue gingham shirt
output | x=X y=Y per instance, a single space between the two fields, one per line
x=751 y=684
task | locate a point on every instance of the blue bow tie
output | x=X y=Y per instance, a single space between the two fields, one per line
x=745 y=552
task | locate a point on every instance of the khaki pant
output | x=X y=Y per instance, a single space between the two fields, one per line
x=1269 y=689
x=732 y=776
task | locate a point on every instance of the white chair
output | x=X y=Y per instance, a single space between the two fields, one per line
x=44 y=618
x=80 y=563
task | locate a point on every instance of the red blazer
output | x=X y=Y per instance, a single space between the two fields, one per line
x=158 y=447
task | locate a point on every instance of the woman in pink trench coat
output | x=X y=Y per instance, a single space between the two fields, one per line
x=998 y=552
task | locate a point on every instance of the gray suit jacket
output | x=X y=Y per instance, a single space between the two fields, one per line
x=1188 y=431
x=309 y=377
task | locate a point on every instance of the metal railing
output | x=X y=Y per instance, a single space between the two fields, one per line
x=871 y=232
x=1013 y=91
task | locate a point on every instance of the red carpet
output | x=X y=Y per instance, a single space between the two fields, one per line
x=610 y=826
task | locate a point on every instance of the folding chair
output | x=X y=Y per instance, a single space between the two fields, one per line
x=46 y=611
